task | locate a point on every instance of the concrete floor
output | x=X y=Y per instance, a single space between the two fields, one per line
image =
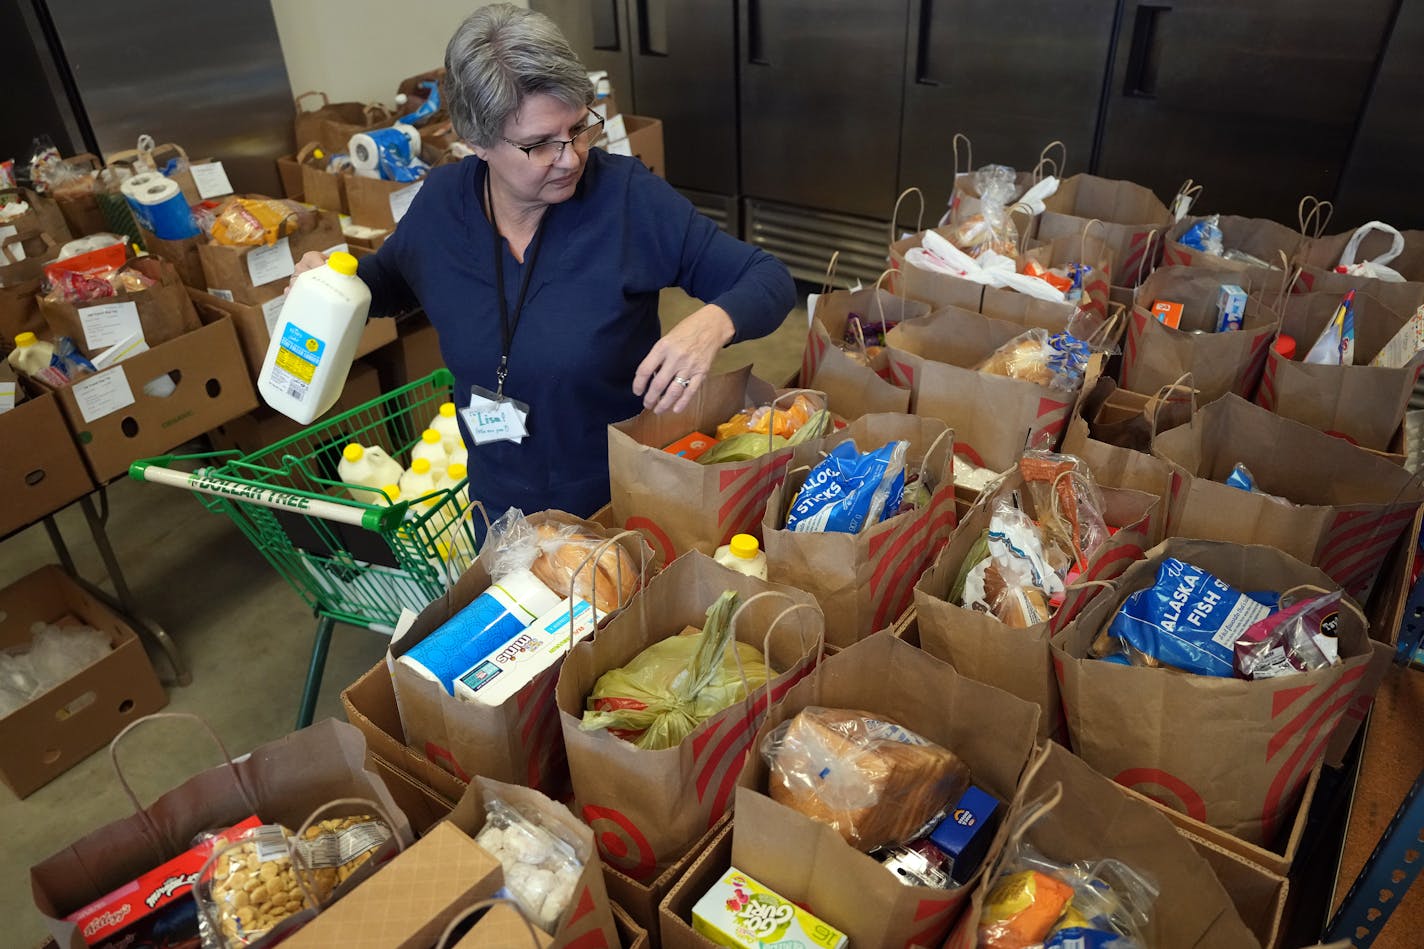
x=244 y=633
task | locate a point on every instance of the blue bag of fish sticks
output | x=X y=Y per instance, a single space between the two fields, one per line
x=848 y=491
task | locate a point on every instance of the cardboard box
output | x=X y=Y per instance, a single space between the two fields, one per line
x=374 y=202
x=62 y=727
x=630 y=934
x=644 y=142
x=1258 y=894
x=254 y=275
x=642 y=901
x=115 y=421
x=42 y=470
x=370 y=705
x=254 y=326
x=675 y=910
x=415 y=354
x=264 y=426
x=408 y=903
x=1277 y=860
x=161 y=312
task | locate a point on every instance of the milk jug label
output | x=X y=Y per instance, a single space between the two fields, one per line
x=296 y=361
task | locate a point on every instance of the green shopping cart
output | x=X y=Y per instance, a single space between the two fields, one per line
x=352 y=561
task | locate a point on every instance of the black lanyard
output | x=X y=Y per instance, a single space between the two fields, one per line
x=507 y=328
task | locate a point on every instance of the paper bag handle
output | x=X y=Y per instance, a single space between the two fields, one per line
x=766 y=640
x=1103 y=228
x=297 y=102
x=929 y=453
x=1164 y=396
x=1142 y=262
x=306 y=151
x=895 y=214
x=968 y=154
x=156 y=834
x=1182 y=201
x=1027 y=212
x=1346 y=600
x=789 y=393
x=299 y=869
x=1045 y=159
x=1313 y=216
x=465 y=914
x=590 y=561
x=880 y=304
x=456 y=538
x=1026 y=814
x=828 y=284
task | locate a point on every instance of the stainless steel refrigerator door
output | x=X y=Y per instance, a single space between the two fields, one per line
x=207 y=76
x=685 y=73
x=821 y=87
x=598 y=32
x=1384 y=178
x=1257 y=102
x=1010 y=76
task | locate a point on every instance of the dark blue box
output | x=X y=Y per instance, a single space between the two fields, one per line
x=965 y=834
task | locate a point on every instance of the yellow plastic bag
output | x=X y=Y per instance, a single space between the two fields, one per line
x=668 y=689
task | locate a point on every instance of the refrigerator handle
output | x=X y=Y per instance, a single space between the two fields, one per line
x=652 y=27
x=604 y=14
x=756 y=53
x=922 y=44
x=1141 y=79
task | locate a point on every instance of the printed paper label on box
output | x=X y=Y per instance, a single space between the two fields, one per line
x=7 y=396
x=615 y=128
x=267 y=264
x=272 y=312
x=620 y=147
x=102 y=394
x=400 y=200
x=109 y=323
x=221 y=294
x=7 y=232
x=210 y=178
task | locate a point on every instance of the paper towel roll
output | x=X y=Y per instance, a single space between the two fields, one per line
x=365 y=147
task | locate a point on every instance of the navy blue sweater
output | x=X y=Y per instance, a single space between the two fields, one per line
x=589 y=319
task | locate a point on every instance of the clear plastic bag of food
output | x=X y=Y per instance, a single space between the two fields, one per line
x=564 y=562
x=247 y=222
x=667 y=690
x=872 y=780
x=1055 y=360
x=1020 y=575
x=1205 y=236
x=1301 y=637
x=1040 y=902
x=992 y=229
x=1068 y=502
x=541 y=869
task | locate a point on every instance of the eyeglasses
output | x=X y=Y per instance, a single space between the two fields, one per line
x=545 y=154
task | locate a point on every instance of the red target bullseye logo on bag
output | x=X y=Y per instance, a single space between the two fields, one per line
x=620 y=843
x=1147 y=779
x=657 y=537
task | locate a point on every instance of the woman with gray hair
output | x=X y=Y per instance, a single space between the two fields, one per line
x=539 y=262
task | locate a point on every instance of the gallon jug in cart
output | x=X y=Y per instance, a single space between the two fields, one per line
x=743 y=555
x=418 y=481
x=31 y=354
x=369 y=467
x=448 y=425
x=432 y=448
x=315 y=340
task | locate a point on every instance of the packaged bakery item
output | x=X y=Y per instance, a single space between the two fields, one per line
x=668 y=689
x=993 y=228
x=1188 y=620
x=872 y=780
x=1056 y=360
x=244 y=222
x=541 y=869
x=1069 y=504
x=741 y=913
x=1018 y=573
x=565 y=564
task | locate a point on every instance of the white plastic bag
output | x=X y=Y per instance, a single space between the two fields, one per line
x=1375 y=269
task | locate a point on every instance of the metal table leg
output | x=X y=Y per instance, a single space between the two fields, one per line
x=312 y=689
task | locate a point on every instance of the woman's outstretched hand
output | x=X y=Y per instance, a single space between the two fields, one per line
x=673 y=371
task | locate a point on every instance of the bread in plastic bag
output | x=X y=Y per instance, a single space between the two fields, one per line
x=872 y=780
x=1056 y=360
x=541 y=869
x=245 y=222
x=1019 y=573
x=564 y=562
x=673 y=686
x=992 y=229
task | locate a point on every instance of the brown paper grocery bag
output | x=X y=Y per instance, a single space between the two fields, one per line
x=807 y=861
x=680 y=505
x=322 y=188
x=1130 y=419
x=1123 y=466
x=1335 y=506
x=994 y=417
x=865 y=581
x=1017 y=660
x=854 y=386
x=516 y=742
x=228 y=268
x=22 y=259
x=164 y=310
x=1156 y=355
x=1229 y=752
x=1133 y=218
x=1362 y=403
x=1400 y=297
x=331 y=124
x=964 y=198
x=283 y=781
x=1070 y=814
x=42 y=217
x=647 y=807
x=1088 y=247
x=1262 y=238
x=588 y=920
